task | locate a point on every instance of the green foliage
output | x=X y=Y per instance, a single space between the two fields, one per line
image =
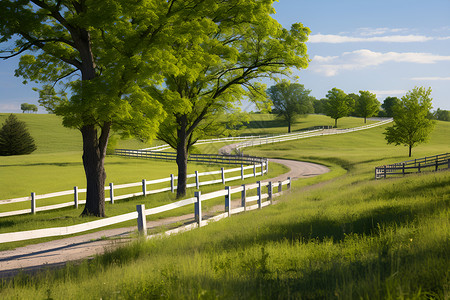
x=366 y=105
x=338 y=105
x=28 y=107
x=290 y=100
x=441 y=115
x=412 y=125
x=15 y=138
x=388 y=105
x=319 y=105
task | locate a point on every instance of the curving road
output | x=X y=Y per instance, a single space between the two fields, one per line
x=58 y=252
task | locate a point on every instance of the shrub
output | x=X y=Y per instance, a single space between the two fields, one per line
x=15 y=138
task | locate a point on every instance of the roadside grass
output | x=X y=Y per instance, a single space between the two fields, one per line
x=383 y=239
x=70 y=216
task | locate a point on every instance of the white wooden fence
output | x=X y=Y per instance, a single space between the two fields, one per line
x=259 y=169
x=302 y=135
x=141 y=213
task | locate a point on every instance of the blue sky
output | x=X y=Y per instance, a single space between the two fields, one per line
x=386 y=47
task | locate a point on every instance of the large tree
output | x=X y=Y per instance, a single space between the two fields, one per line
x=338 y=105
x=290 y=100
x=238 y=43
x=412 y=124
x=366 y=105
x=100 y=53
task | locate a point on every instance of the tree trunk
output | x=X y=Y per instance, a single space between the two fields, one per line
x=289 y=127
x=365 y=119
x=94 y=151
x=410 y=150
x=182 y=156
x=335 y=123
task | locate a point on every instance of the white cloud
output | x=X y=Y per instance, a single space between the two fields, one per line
x=360 y=59
x=338 y=39
x=431 y=78
x=367 y=31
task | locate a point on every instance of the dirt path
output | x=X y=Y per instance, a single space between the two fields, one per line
x=56 y=253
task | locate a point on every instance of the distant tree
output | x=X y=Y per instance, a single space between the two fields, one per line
x=441 y=115
x=319 y=105
x=388 y=105
x=355 y=98
x=366 y=105
x=290 y=100
x=338 y=105
x=15 y=138
x=412 y=125
x=28 y=107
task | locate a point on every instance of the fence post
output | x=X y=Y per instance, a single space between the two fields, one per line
x=385 y=171
x=280 y=186
x=197 y=180
x=223 y=175
x=437 y=164
x=259 y=195
x=243 y=198
x=403 y=169
x=111 y=192
x=141 y=220
x=269 y=191
x=172 y=183
x=33 y=203
x=144 y=187
x=419 y=168
x=262 y=168
x=228 y=201
x=267 y=166
x=198 y=208
x=448 y=162
x=254 y=170
x=242 y=172
x=289 y=183
x=75 y=196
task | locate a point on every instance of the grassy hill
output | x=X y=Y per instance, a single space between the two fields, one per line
x=350 y=237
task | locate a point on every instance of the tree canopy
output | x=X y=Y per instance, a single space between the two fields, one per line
x=99 y=55
x=388 y=105
x=217 y=65
x=412 y=125
x=28 y=107
x=290 y=100
x=366 y=105
x=338 y=105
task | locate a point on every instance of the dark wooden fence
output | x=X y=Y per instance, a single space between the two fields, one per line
x=430 y=163
x=199 y=158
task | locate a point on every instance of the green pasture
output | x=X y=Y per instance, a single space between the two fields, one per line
x=350 y=237
x=261 y=124
x=341 y=235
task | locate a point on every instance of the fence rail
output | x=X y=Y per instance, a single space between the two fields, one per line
x=430 y=163
x=302 y=135
x=141 y=212
x=257 y=170
x=199 y=158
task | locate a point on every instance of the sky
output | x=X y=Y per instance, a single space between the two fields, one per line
x=386 y=47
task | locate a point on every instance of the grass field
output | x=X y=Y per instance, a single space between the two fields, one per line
x=350 y=237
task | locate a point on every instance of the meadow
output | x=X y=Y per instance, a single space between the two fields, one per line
x=341 y=235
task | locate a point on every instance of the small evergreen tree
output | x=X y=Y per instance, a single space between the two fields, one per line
x=15 y=138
